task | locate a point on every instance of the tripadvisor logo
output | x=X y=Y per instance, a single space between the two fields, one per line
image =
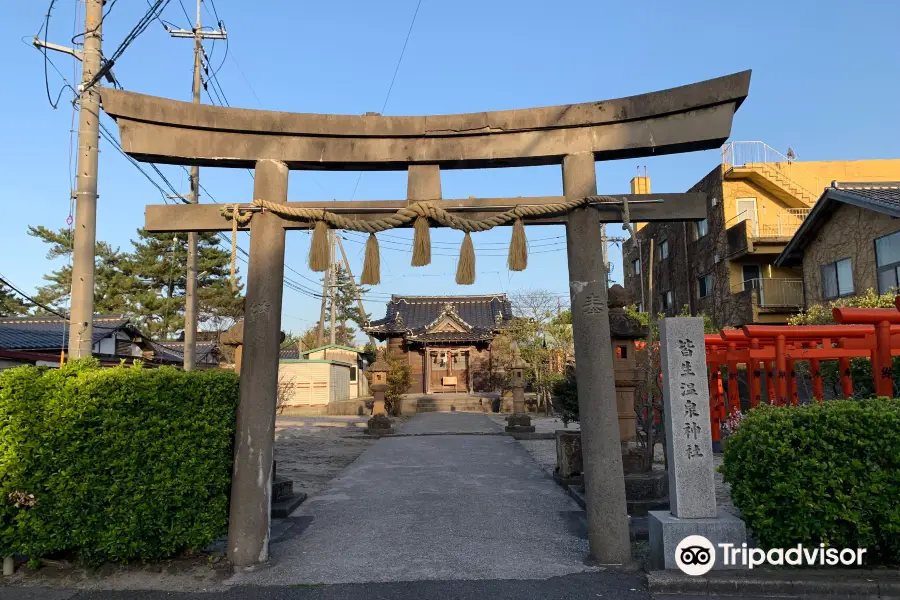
x=696 y=555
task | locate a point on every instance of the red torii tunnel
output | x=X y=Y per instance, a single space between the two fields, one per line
x=770 y=352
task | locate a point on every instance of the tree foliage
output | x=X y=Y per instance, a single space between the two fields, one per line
x=10 y=303
x=820 y=314
x=148 y=283
x=158 y=269
x=542 y=332
x=111 y=284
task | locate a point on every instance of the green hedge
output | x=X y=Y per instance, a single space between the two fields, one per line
x=825 y=473
x=122 y=464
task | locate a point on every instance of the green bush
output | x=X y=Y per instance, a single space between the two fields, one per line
x=565 y=398
x=824 y=473
x=114 y=464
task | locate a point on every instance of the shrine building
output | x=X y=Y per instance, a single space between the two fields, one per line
x=445 y=339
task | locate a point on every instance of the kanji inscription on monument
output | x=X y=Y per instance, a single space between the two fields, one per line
x=686 y=397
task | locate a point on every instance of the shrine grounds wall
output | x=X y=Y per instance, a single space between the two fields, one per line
x=824 y=473
x=114 y=464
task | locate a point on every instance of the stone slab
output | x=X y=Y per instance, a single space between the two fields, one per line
x=281 y=488
x=647 y=486
x=692 y=491
x=666 y=531
x=568 y=453
x=520 y=429
x=283 y=507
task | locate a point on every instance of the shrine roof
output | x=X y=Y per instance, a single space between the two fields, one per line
x=472 y=318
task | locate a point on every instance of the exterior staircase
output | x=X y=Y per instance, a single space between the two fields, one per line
x=784 y=185
x=767 y=168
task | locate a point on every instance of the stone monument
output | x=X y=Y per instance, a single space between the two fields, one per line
x=692 y=494
x=379 y=424
x=519 y=421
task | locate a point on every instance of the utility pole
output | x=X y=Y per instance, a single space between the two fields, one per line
x=81 y=315
x=190 y=291
x=359 y=302
x=320 y=334
x=333 y=266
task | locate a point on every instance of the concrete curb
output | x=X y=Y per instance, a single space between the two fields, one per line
x=838 y=583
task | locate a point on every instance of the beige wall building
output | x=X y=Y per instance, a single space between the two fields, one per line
x=322 y=380
x=850 y=242
x=725 y=266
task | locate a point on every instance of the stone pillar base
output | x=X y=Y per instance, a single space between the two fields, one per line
x=666 y=531
x=379 y=425
x=519 y=423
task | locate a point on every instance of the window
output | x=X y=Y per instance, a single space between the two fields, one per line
x=621 y=351
x=705 y=285
x=702 y=228
x=666 y=300
x=887 y=259
x=663 y=251
x=837 y=279
x=352 y=374
x=640 y=306
x=714 y=201
x=636 y=266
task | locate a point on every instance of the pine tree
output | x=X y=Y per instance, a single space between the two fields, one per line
x=10 y=304
x=111 y=283
x=159 y=266
x=346 y=308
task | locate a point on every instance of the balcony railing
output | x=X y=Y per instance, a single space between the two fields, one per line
x=786 y=224
x=738 y=154
x=773 y=293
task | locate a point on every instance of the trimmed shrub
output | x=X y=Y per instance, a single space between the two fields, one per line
x=824 y=473
x=114 y=464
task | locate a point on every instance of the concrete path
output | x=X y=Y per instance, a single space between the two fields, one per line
x=448 y=423
x=432 y=507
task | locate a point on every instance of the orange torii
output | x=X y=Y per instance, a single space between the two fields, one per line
x=770 y=352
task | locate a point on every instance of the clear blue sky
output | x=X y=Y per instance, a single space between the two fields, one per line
x=826 y=81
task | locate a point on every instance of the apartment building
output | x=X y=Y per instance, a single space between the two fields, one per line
x=724 y=265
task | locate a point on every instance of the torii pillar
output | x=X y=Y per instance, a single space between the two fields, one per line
x=604 y=483
x=251 y=485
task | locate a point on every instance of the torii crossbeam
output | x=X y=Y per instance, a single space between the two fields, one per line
x=687 y=118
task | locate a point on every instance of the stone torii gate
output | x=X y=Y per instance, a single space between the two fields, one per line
x=683 y=119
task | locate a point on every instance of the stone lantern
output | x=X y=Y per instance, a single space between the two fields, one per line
x=518 y=422
x=379 y=424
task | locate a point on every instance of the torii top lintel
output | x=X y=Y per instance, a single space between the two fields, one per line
x=691 y=117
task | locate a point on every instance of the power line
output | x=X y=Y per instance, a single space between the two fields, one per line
x=400 y=60
x=152 y=13
x=393 y=78
x=6 y=282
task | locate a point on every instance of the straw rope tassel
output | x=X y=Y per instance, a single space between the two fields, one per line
x=320 y=248
x=421 y=243
x=236 y=219
x=518 y=248
x=465 y=268
x=371 y=273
